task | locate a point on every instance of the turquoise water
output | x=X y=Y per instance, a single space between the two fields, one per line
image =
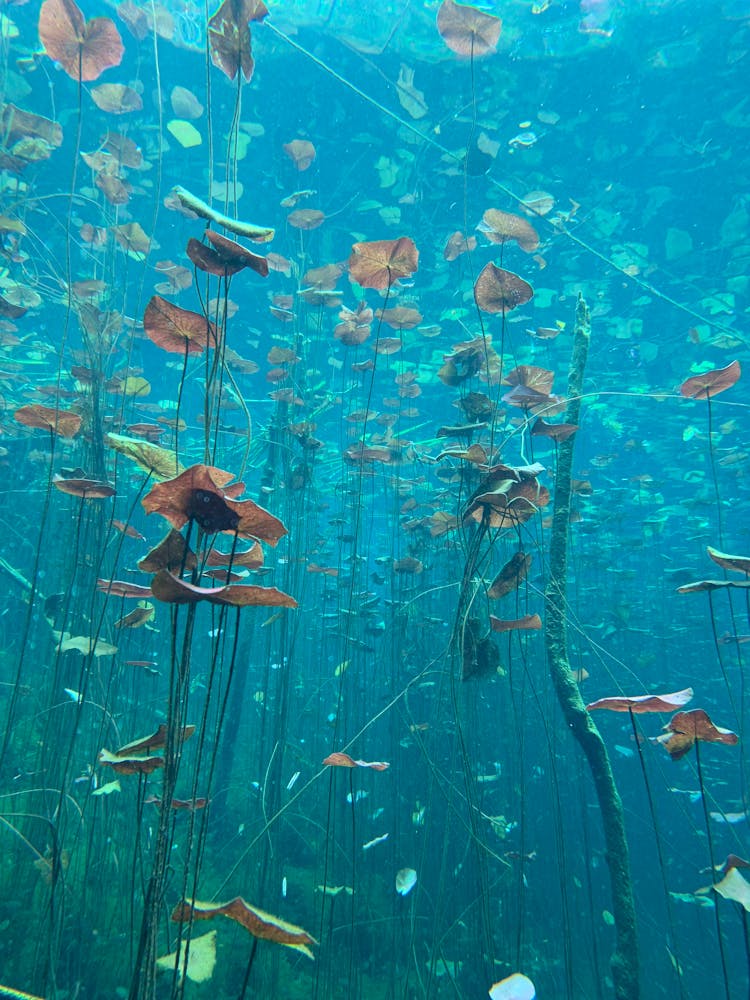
x=437 y=206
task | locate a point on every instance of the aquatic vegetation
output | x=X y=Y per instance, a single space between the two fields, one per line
x=419 y=461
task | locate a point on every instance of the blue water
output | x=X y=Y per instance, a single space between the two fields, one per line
x=618 y=131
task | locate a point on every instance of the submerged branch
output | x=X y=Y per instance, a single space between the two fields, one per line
x=625 y=958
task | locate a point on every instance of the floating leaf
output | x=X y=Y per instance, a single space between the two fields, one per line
x=510 y=576
x=83 y=48
x=498 y=291
x=138 y=617
x=684 y=728
x=116 y=98
x=150 y=457
x=739 y=564
x=155 y=741
x=380 y=263
x=171 y=553
x=226 y=258
x=259 y=234
x=177 y=330
x=229 y=36
x=201 y=959
x=62 y=422
x=642 y=703
x=711 y=383
x=133 y=240
x=184 y=132
x=306 y=218
x=558 y=432
x=130 y=765
x=701 y=585
x=86 y=645
x=119 y=588
x=735 y=887
x=504 y=227
x=184 y=103
x=198 y=494
x=109 y=788
x=257 y=922
x=467 y=30
x=515 y=987
x=406 y=879
x=87 y=489
x=339 y=759
x=301 y=151
x=530 y=622
x=170 y=589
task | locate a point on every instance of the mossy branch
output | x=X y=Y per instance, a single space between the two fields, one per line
x=625 y=957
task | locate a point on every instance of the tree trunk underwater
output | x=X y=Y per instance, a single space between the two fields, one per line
x=624 y=961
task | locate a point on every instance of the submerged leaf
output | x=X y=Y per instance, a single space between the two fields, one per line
x=499 y=291
x=642 y=703
x=339 y=759
x=684 y=728
x=155 y=741
x=739 y=564
x=380 y=263
x=711 y=383
x=177 y=330
x=467 y=30
x=257 y=922
x=515 y=987
x=130 y=765
x=510 y=576
x=170 y=589
x=62 y=422
x=83 y=48
x=201 y=493
x=735 y=887
x=201 y=959
x=160 y=462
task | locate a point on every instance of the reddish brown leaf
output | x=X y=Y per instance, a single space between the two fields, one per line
x=400 y=317
x=458 y=244
x=84 y=49
x=497 y=290
x=171 y=553
x=510 y=576
x=301 y=151
x=643 y=703
x=177 y=330
x=155 y=741
x=226 y=258
x=259 y=923
x=701 y=585
x=531 y=622
x=120 y=588
x=88 y=489
x=199 y=494
x=229 y=36
x=738 y=564
x=251 y=558
x=130 y=765
x=502 y=227
x=467 y=30
x=558 y=432
x=339 y=759
x=306 y=218
x=170 y=589
x=62 y=422
x=380 y=263
x=711 y=383
x=684 y=728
